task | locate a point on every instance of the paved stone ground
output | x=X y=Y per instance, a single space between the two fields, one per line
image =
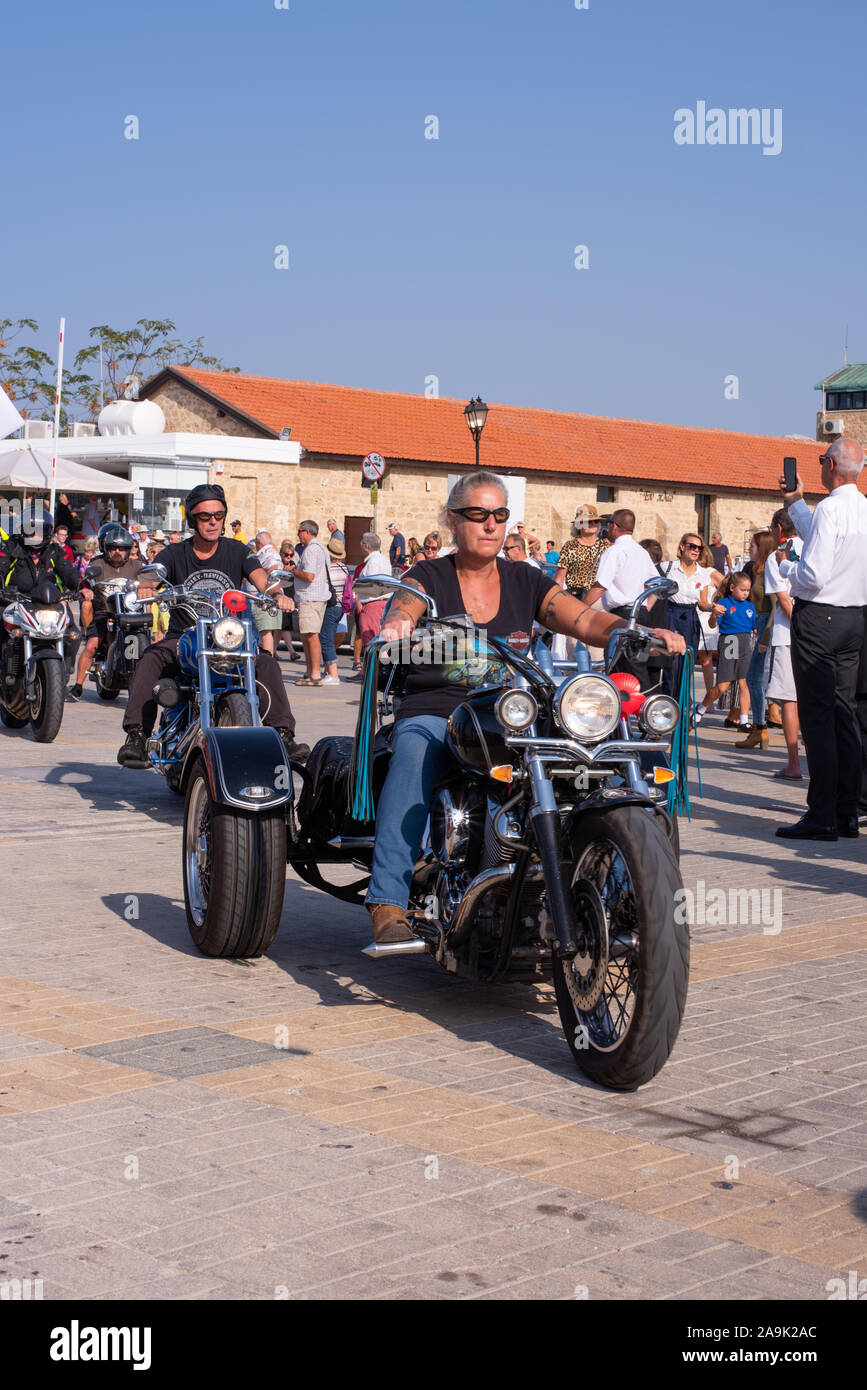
x=317 y=1124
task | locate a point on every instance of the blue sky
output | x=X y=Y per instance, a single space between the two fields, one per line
x=451 y=257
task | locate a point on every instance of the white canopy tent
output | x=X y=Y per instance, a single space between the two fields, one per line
x=28 y=470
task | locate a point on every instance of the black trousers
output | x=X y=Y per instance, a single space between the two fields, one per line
x=160 y=660
x=861 y=710
x=826 y=652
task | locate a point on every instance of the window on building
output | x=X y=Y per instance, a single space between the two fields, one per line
x=860 y=400
x=831 y=401
x=605 y=494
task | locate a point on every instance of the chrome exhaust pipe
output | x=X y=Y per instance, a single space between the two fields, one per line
x=395 y=948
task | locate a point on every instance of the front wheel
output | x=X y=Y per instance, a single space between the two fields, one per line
x=46 y=707
x=234 y=873
x=622 y=998
x=233 y=711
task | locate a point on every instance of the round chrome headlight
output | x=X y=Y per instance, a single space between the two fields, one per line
x=588 y=706
x=130 y=601
x=228 y=634
x=660 y=714
x=516 y=709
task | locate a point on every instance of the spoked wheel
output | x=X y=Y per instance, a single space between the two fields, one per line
x=234 y=873
x=46 y=707
x=622 y=998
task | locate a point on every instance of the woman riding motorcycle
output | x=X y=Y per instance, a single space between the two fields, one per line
x=209 y=560
x=503 y=599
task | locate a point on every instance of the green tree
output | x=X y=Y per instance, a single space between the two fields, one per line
x=24 y=370
x=132 y=355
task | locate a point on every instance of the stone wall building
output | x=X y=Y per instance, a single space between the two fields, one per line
x=844 y=405
x=675 y=478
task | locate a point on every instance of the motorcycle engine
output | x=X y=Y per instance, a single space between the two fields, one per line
x=456 y=820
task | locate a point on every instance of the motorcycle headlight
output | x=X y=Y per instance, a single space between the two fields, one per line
x=516 y=709
x=47 y=619
x=130 y=601
x=228 y=634
x=588 y=706
x=660 y=714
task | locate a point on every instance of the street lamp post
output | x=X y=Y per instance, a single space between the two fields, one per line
x=476 y=413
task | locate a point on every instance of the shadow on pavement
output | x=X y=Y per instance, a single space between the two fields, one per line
x=111 y=788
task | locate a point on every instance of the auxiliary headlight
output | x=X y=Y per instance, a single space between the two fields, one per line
x=516 y=709
x=588 y=706
x=228 y=634
x=660 y=714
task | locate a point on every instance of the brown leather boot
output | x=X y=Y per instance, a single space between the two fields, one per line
x=757 y=738
x=390 y=923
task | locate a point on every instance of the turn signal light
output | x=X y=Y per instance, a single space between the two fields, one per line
x=662 y=774
x=502 y=773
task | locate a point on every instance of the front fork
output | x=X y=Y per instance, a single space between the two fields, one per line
x=545 y=818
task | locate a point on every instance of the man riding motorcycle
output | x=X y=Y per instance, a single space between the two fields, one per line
x=115 y=546
x=221 y=564
x=25 y=561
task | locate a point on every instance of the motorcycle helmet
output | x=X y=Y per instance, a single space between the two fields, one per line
x=39 y=538
x=204 y=492
x=113 y=536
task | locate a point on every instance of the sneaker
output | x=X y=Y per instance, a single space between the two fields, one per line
x=697 y=715
x=298 y=752
x=133 y=753
x=331 y=680
x=75 y=692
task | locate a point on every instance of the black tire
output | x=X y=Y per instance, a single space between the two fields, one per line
x=234 y=712
x=234 y=865
x=104 y=693
x=11 y=721
x=50 y=695
x=625 y=1038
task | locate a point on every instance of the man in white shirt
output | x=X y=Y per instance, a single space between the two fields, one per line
x=312 y=593
x=828 y=586
x=623 y=572
x=624 y=569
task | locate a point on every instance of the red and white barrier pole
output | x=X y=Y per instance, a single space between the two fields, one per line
x=57 y=415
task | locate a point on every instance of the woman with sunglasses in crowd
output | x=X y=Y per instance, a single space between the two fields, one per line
x=579 y=559
x=692 y=580
x=504 y=600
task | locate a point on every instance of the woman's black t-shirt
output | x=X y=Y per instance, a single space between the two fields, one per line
x=228 y=567
x=439 y=688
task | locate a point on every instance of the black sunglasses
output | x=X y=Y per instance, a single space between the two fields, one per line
x=481 y=514
x=207 y=516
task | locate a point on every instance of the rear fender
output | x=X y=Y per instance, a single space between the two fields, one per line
x=247 y=769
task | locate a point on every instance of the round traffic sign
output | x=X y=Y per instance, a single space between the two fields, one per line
x=373 y=468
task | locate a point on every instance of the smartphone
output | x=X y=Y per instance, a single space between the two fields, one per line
x=790 y=474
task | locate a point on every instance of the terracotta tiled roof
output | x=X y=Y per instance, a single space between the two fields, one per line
x=348 y=420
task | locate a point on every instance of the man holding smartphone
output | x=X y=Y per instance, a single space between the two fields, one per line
x=828 y=586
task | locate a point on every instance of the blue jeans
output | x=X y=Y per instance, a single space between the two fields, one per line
x=418 y=756
x=756 y=686
x=330 y=619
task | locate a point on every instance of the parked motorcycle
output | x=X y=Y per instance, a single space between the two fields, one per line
x=127 y=633
x=33 y=660
x=550 y=851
